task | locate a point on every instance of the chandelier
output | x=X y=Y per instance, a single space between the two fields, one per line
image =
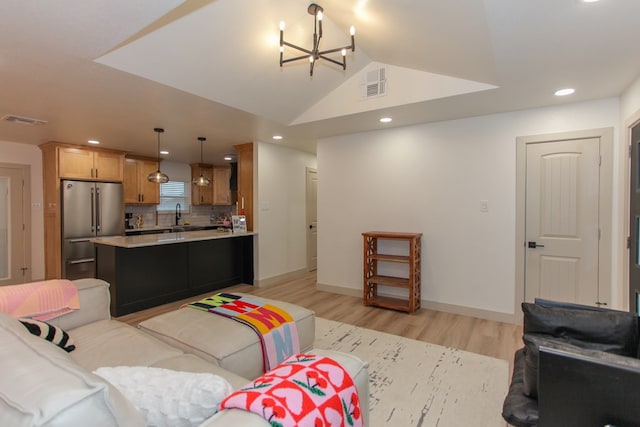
x=315 y=53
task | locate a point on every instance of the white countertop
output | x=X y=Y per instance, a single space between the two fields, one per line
x=166 y=238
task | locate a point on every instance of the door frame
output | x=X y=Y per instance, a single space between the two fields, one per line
x=605 y=250
x=26 y=209
x=308 y=216
x=629 y=124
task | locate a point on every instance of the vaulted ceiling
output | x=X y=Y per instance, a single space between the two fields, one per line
x=113 y=70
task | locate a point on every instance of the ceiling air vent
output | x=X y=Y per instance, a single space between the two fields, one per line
x=24 y=120
x=374 y=83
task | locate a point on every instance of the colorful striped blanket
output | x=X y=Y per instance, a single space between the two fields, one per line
x=40 y=300
x=274 y=326
x=305 y=390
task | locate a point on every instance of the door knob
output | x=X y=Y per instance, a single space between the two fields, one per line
x=533 y=245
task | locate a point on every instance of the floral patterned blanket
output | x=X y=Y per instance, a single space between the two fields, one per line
x=304 y=390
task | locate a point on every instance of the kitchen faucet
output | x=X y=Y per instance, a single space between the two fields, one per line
x=178 y=214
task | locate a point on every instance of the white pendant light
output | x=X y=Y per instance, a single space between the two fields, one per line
x=157 y=176
x=201 y=181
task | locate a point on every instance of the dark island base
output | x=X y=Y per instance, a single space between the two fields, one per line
x=149 y=276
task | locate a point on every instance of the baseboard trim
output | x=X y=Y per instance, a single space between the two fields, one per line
x=471 y=312
x=339 y=290
x=261 y=283
x=436 y=306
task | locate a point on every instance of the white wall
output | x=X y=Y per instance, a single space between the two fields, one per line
x=11 y=152
x=280 y=209
x=431 y=178
x=630 y=100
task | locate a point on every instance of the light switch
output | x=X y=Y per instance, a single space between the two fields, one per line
x=484 y=206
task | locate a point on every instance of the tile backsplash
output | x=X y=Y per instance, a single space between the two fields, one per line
x=196 y=215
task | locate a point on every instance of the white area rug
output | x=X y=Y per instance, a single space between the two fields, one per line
x=414 y=383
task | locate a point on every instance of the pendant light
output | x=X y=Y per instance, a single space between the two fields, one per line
x=201 y=181
x=157 y=176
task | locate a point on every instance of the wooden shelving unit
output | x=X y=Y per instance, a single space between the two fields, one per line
x=372 y=279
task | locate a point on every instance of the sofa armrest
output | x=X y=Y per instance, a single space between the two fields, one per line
x=95 y=303
x=587 y=388
x=518 y=409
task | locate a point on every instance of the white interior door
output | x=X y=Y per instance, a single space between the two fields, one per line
x=562 y=224
x=14 y=227
x=312 y=219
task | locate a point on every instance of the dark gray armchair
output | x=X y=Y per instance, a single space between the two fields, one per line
x=578 y=366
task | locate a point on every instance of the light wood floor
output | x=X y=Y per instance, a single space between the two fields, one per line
x=481 y=336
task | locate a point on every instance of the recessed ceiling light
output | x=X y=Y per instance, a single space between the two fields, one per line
x=386 y=120
x=164 y=152
x=93 y=141
x=277 y=137
x=565 y=92
x=589 y=1
x=228 y=158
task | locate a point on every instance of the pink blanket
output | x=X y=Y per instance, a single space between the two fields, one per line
x=305 y=390
x=39 y=300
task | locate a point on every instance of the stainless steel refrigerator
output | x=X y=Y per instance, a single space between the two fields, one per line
x=89 y=210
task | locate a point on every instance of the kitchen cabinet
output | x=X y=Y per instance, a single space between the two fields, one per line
x=89 y=164
x=373 y=278
x=221 y=185
x=137 y=189
x=67 y=161
x=201 y=195
x=245 y=181
x=145 y=275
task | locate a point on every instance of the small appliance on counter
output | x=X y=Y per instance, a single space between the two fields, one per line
x=128 y=217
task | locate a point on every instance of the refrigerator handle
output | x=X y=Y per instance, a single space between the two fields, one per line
x=98 y=220
x=93 y=213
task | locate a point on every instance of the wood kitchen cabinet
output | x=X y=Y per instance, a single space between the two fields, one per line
x=201 y=195
x=90 y=164
x=245 y=181
x=137 y=189
x=221 y=185
x=67 y=161
x=218 y=192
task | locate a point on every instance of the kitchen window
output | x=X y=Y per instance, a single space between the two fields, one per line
x=172 y=193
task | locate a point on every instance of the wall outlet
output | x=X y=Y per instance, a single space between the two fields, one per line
x=484 y=206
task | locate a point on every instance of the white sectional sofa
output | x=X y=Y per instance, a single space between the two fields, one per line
x=42 y=385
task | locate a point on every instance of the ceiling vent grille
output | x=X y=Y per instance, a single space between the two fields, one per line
x=24 y=120
x=374 y=83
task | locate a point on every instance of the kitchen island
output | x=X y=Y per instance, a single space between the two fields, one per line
x=153 y=269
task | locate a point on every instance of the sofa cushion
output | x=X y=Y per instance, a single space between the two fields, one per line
x=166 y=397
x=50 y=333
x=113 y=343
x=609 y=330
x=192 y=363
x=42 y=385
x=223 y=341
